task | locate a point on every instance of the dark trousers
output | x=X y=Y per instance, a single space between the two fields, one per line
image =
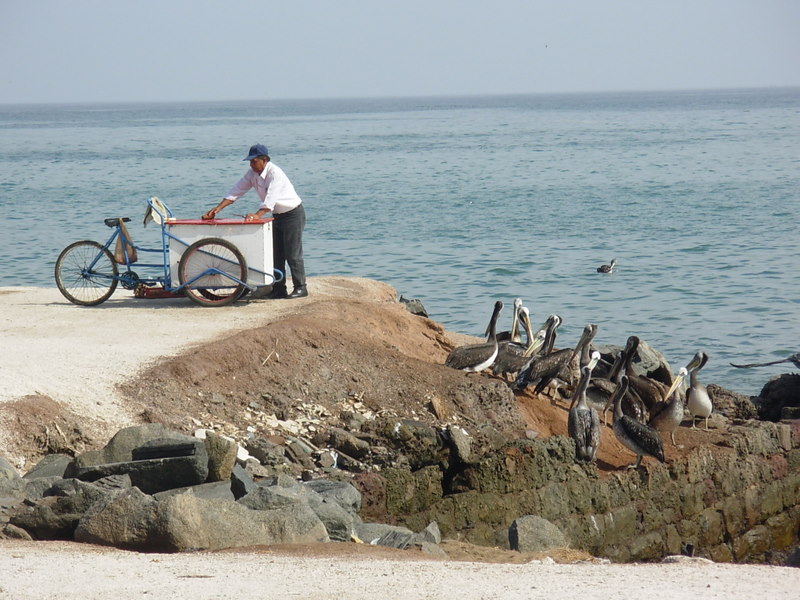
x=287 y=245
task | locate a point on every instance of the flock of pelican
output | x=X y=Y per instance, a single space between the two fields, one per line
x=643 y=408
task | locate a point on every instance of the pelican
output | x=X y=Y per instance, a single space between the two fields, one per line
x=697 y=398
x=583 y=422
x=636 y=437
x=667 y=415
x=607 y=268
x=648 y=389
x=558 y=366
x=512 y=356
x=513 y=333
x=632 y=405
x=794 y=359
x=477 y=357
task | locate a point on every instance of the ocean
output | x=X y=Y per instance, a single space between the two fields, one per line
x=460 y=201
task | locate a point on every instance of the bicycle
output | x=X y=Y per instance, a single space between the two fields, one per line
x=212 y=271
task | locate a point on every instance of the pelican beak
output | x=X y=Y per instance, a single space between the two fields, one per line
x=678 y=380
x=697 y=359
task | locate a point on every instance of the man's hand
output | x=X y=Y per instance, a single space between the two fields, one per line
x=209 y=215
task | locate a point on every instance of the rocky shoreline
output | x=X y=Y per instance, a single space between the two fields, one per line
x=367 y=438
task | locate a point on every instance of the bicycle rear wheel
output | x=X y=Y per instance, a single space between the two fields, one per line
x=209 y=270
x=86 y=273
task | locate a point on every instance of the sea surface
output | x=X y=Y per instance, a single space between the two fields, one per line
x=459 y=201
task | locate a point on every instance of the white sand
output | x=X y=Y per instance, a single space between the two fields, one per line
x=40 y=570
x=76 y=355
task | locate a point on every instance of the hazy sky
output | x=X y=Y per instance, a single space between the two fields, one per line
x=103 y=50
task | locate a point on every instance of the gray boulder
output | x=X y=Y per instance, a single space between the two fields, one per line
x=127 y=519
x=339 y=492
x=154 y=475
x=50 y=465
x=275 y=496
x=7 y=470
x=120 y=447
x=214 y=490
x=370 y=533
x=241 y=482
x=189 y=523
x=58 y=512
x=535 y=534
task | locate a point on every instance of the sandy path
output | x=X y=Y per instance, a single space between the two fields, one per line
x=77 y=354
x=88 y=573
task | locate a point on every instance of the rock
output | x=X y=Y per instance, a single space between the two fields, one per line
x=241 y=483
x=372 y=532
x=57 y=514
x=120 y=447
x=730 y=404
x=274 y=496
x=337 y=521
x=460 y=442
x=154 y=475
x=214 y=490
x=779 y=392
x=535 y=534
x=52 y=464
x=189 y=523
x=346 y=442
x=431 y=534
x=339 y=492
x=221 y=456
x=128 y=519
x=7 y=471
x=414 y=306
x=266 y=452
x=12 y=532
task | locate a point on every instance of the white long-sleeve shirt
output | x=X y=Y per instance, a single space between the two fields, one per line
x=272 y=186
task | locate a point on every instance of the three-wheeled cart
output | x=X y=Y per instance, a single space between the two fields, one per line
x=215 y=262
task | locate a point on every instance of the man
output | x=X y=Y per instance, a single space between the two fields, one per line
x=278 y=197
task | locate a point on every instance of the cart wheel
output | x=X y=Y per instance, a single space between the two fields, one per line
x=86 y=273
x=209 y=270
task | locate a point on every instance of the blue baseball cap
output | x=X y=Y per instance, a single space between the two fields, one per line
x=256 y=151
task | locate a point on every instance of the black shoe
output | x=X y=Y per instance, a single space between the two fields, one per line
x=277 y=294
x=298 y=292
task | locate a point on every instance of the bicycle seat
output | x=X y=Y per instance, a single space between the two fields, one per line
x=117 y=221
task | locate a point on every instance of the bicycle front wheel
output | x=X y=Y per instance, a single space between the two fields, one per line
x=210 y=270
x=86 y=273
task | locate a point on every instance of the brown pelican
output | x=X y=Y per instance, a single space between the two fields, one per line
x=607 y=268
x=648 y=389
x=555 y=367
x=583 y=422
x=477 y=357
x=635 y=436
x=697 y=398
x=668 y=414
x=794 y=359
x=632 y=405
x=512 y=356
x=513 y=333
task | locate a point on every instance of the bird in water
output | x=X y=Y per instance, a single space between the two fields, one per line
x=697 y=399
x=560 y=367
x=668 y=414
x=637 y=437
x=583 y=422
x=794 y=359
x=609 y=268
x=477 y=357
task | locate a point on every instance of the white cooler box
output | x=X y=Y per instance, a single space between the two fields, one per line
x=252 y=238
